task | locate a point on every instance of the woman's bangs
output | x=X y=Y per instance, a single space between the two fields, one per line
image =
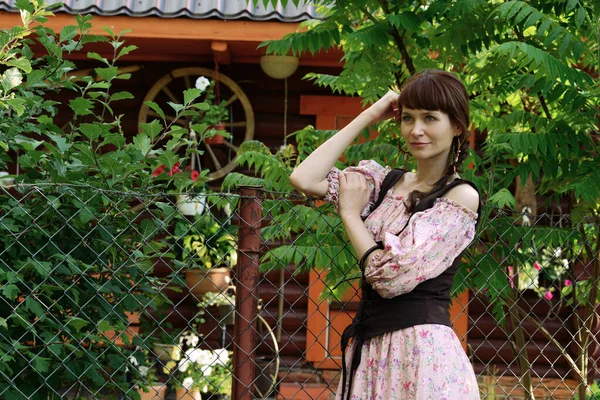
x=424 y=93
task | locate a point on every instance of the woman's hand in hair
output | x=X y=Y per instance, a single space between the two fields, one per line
x=384 y=108
x=354 y=194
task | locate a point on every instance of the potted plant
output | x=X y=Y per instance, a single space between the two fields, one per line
x=225 y=303
x=197 y=373
x=208 y=122
x=144 y=374
x=208 y=254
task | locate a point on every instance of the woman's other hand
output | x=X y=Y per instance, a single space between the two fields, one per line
x=384 y=108
x=354 y=194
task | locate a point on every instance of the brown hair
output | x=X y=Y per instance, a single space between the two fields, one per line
x=438 y=90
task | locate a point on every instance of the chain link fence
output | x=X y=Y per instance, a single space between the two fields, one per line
x=114 y=295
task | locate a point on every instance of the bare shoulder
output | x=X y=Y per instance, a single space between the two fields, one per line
x=465 y=195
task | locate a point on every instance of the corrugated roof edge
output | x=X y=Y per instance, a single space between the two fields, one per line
x=181 y=13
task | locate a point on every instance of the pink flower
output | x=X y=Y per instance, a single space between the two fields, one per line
x=175 y=169
x=548 y=295
x=511 y=277
x=537 y=266
x=194 y=175
x=568 y=282
x=159 y=170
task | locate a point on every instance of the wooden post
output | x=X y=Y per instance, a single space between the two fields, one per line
x=246 y=301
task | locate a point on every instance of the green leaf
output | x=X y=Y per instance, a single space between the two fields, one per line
x=35 y=77
x=61 y=142
x=77 y=323
x=81 y=106
x=11 y=78
x=104 y=326
x=21 y=63
x=41 y=267
x=142 y=143
x=85 y=154
x=16 y=104
x=126 y=50
x=205 y=105
x=85 y=215
x=571 y=4
x=68 y=32
x=107 y=73
x=175 y=106
x=96 y=56
x=3 y=323
x=407 y=20
x=91 y=131
x=580 y=15
x=503 y=198
x=112 y=138
x=563 y=45
x=190 y=95
x=41 y=364
x=10 y=291
x=152 y=129
x=35 y=306
x=156 y=108
x=121 y=96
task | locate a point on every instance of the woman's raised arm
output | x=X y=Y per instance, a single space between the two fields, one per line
x=310 y=177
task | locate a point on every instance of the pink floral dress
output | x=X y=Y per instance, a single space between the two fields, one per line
x=423 y=361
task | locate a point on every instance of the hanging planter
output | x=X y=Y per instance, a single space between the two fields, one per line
x=216 y=139
x=201 y=281
x=191 y=204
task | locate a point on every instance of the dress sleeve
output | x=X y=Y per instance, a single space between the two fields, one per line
x=425 y=249
x=374 y=173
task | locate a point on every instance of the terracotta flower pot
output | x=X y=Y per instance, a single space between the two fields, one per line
x=187 y=394
x=158 y=391
x=201 y=281
x=217 y=139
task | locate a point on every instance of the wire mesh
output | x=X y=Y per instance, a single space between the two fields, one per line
x=244 y=295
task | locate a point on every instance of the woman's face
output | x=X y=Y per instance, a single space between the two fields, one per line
x=428 y=134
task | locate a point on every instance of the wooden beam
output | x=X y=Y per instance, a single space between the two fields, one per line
x=170 y=28
x=221 y=51
x=333 y=106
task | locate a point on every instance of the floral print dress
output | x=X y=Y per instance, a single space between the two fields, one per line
x=424 y=361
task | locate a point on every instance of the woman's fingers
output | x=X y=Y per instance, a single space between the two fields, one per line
x=353 y=180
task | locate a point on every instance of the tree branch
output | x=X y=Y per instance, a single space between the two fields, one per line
x=399 y=40
x=544 y=106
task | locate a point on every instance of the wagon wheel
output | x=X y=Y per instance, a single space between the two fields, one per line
x=219 y=159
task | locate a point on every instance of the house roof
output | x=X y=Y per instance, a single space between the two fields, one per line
x=197 y=9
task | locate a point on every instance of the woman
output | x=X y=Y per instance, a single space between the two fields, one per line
x=403 y=346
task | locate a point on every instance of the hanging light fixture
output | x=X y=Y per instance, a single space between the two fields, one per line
x=280 y=67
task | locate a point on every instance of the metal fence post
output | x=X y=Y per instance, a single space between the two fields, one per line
x=247 y=279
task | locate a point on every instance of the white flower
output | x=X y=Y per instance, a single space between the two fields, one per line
x=204 y=357
x=183 y=364
x=222 y=356
x=194 y=354
x=187 y=383
x=144 y=370
x=189 y=339
x=206 y=370
x=202 y=83
x=133 y=361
